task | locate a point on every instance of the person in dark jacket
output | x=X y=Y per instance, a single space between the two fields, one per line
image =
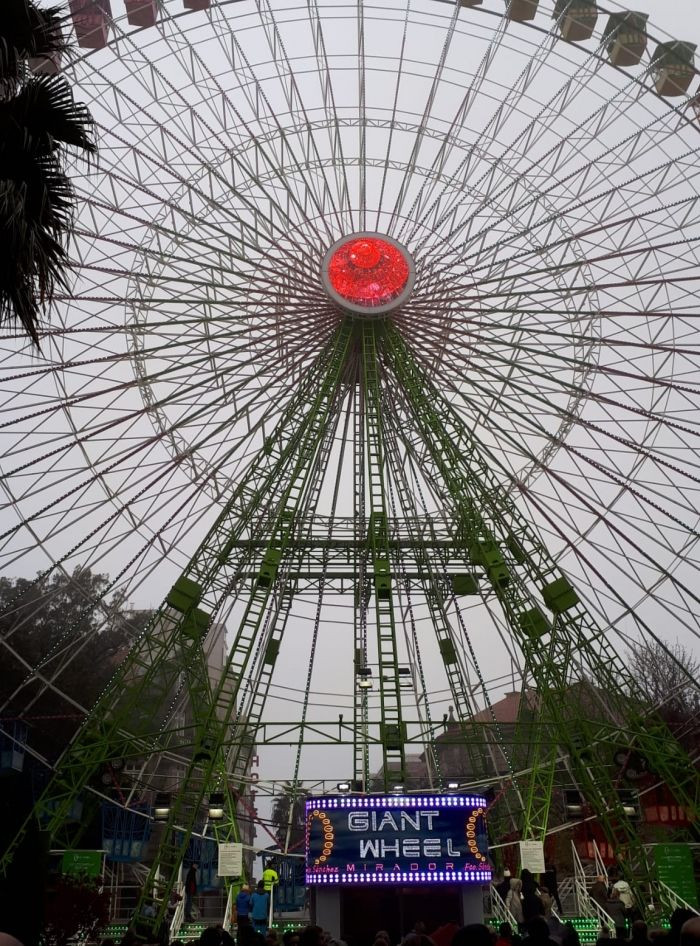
x=599 y=891
x=615 y=909
x=532 y=904
x=260 y=908
x=549 y=880
x=503 y=886
x=639 y=933
x=190 y=891
x=243 y=908
x=538 y=933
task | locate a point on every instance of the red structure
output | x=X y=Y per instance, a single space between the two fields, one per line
x=368 y=271
x=141 y=12
x=91 y=22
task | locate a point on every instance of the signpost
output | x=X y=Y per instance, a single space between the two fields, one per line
x=674 y=867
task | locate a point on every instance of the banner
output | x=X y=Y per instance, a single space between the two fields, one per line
x=383 y=839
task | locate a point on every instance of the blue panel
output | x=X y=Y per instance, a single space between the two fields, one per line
x=125 y=832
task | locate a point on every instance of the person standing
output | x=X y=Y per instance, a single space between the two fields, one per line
x=503 y=886
x=625 y=892
x=532 y=904
x=259 y=908
x=615 y=908
x=243 y=908
x=270 y=879
x=550 y=881
x=599 y=891
x=514 y=901
x=547 y=902
x=190 y=891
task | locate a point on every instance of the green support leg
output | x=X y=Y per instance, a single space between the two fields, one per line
x=393 y=727
x=558 y=647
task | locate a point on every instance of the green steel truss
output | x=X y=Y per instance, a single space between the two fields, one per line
x=575 y=670
x=269 y=543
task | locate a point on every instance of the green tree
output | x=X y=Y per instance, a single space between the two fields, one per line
x=76 y=910
x=40 y=126
x=669 y=677
x=61 y=639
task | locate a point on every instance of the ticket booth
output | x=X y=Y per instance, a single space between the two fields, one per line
x=378 y=862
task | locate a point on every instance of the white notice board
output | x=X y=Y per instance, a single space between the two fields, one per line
x=230 y=860
x=532 y=856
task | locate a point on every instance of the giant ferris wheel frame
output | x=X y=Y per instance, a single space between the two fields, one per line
x=511 y=448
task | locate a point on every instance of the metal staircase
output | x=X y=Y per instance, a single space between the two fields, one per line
x=583 y=878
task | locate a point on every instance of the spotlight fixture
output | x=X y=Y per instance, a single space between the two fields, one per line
x=574 y=803
x=453 y=786
x=397 y=789
x=216 y=806
x=343 y=786
x=630 y=803
x=364 y=683
x=161 y=806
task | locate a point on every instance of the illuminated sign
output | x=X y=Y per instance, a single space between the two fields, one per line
x=399 y=839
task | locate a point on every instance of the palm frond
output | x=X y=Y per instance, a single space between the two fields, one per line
x=45 y=108
x=27 y=31
x=33 y=264
x=40 y=122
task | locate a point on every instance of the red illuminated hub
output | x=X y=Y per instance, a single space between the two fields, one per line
x=368 y=273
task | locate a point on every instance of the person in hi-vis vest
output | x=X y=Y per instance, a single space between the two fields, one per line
x=270 y=879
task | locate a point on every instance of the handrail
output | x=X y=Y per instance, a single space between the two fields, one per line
x=228 y=923
x=580 y=888
x=567 y=890
x=672 y=899
x=585 y=904
x=500 y=910
x=601 y=915
x=600 y=867
x=179 y=913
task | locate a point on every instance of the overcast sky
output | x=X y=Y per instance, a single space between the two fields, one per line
x=681 y=18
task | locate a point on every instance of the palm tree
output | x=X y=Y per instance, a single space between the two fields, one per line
x=40 y=125
x=289 y=815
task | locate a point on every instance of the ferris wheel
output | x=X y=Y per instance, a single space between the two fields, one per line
x=381 y=351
